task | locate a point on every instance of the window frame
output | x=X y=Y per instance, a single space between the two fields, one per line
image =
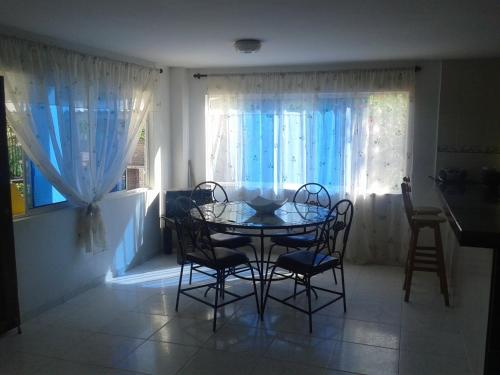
x=29 y=210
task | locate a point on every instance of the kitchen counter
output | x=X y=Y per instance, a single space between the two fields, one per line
x=473 y=211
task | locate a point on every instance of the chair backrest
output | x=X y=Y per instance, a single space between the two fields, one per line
x=338 y=221
x=196 y=230
x=406 y=193
x=313 y=193
x=218 y=194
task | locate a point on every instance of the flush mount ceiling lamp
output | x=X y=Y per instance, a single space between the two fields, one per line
x=247 y=45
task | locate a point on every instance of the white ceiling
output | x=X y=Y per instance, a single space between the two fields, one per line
x=200 y=33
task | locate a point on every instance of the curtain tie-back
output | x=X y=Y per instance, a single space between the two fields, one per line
x=92 y=235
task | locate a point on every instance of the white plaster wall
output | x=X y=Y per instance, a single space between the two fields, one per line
x=469 y=116
x=180 y=129
x=159 y=150
x=51 y=267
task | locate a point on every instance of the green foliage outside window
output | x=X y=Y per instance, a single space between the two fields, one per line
x=15 y=160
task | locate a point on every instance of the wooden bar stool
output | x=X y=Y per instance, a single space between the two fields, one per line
x=423 y=258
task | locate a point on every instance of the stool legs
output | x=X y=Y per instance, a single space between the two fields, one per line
x=411 y=259
x=439 y=263
x=441 y=266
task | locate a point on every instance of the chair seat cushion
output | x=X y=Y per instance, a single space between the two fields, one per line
x=426 y=210
x=231 y=241
x=301 y=240
x=424 y=219
x=301 y=262
x=225 y=258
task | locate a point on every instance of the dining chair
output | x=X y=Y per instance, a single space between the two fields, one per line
x=317 y=258
x=423 y=258
x=219 y=260
x=311 y=193
x=217 y=192
x=233 y=241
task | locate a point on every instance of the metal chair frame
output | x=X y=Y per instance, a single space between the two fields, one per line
x=200 y=238
x=341 y=212
x=215 y=187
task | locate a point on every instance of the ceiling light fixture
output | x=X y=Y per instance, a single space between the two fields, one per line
x=247 y=45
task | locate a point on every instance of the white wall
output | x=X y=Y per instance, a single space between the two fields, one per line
x=426 y=109
x=180 y=130
x=159 y=135
x=52 y=268
x=469 y=129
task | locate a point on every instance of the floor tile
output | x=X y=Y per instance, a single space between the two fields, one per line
x=60 y=367
x=370 y=311
x=433 y=342
x=413 y=363
x=135 y=325
x=238 y=338
x=90 y=318
x=435 y=317
x=117 y=299
x=16 y=363
x=102 y=349
x=303 y=349
x=53 y=341
x=369 y=333
x=196 y=310
x=159 y=304
x=364 y=359
x=185 y=331
x=157 y=358
x=209 y=362
x=273 y=367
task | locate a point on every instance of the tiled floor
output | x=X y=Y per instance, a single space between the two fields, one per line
x=130 y=326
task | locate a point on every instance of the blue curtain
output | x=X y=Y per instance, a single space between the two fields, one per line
x=294 y=146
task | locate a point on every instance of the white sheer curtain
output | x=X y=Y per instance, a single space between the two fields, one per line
x=77 y=118
x=350 y=131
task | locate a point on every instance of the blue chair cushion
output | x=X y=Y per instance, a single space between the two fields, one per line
x=224 y=258
x=231 y=241
x=301 y=262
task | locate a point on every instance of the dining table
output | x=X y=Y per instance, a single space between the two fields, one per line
x=238 y=218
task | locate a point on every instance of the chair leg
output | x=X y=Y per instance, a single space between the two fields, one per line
x=343 y=285
x=308 y=291
x=411 y=260
x=254 y=288
x=295 y=287
x=267 y=291
x=269 y=258
x=191 y=274
x=442 y=268
x=334 y=276
x=179 y=288
x=407 y=263
x=255 y=255
x=216 y=299
x=223 y=285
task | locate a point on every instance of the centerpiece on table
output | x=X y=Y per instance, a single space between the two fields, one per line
x=265 y=206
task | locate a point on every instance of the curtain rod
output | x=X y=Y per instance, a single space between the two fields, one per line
x=75 y=51
x=200 y=76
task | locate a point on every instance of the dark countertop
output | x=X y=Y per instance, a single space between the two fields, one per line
x=474 y=213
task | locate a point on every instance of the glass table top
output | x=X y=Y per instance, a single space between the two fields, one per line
x=239 y=214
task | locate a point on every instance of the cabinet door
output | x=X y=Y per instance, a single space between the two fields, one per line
x=9 y=304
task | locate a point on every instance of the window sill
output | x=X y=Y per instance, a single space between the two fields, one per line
x=64 y=205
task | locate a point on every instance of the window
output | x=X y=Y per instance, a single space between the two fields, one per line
x=354 y=143
x=30 y=189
